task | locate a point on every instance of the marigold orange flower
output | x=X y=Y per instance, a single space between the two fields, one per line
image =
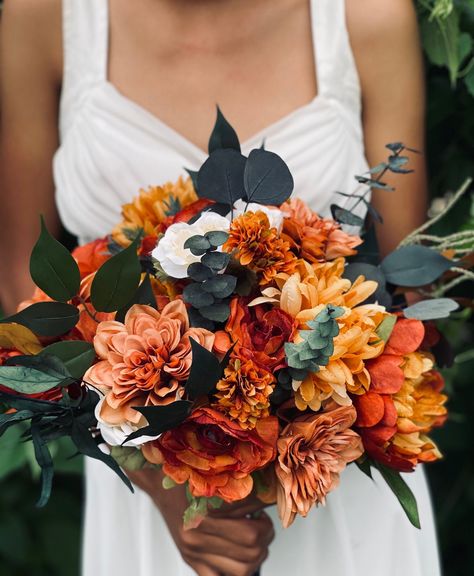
x=312 y=452
x=145 y=360
x=259 y=246
x=243 y=393
x=314 y=238
x=151 y=207
x=215 y=454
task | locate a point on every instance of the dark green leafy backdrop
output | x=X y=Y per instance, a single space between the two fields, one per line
x=46 y=542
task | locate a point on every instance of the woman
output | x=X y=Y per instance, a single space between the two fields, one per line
x=326 y=83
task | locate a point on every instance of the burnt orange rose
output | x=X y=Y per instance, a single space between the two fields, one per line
x=91 y=256
x=215 y=455
x=260 y=333
x=312 y=452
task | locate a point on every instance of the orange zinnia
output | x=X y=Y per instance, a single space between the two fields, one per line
x=243 y=393
x=314 y=238
x=259 y=246
x=152 y=207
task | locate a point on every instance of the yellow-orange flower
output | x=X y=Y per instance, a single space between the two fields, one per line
x=314 y=238
x=145 y=360
x=259 y=246
x=152 y=207
x=243 y=393
x=312 y=452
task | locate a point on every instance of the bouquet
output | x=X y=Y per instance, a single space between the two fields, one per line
x=227 y=333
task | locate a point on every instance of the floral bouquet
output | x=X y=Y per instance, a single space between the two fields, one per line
x=229 y=334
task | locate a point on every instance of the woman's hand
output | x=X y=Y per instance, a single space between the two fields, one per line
x=225 y=543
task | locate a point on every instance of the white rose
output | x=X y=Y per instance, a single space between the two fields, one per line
x=275 y=215
x=116 y=435
x=173 y=257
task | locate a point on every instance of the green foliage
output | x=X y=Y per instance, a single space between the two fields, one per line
x=47 y=318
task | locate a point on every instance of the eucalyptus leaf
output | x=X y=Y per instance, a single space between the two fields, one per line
x=195 y=295
x=219 y=312
x=47 y=318
x=374 y=183
x=117 y=280
x=267 y=178
x=199 y=272
x=221 y=177
x=431 y=309
x=345 y=216
x=223 y=135
x=216 y=260
x=414 y=266
x=198 y=245
x=217 y=237
x=220 y=286
x=52 y=267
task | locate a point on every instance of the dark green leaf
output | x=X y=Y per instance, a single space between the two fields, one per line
x=220 y=286
x=402 y=492
x=45 y=363
x=197 y=320
x=52 y=267
x=217 y=237
x=355 y=269
x=345 y=216
x=76 y=355
x=161 y=418
x=267 y=178
x=198 y=272
x=27 y=380
x=193 y=174
x=395 y=147
x=216 y=260
x=36 y=406
x=43 y=457
x=85 y=443
x=198 y=245
x=218 y=312
x=396 y=163
x=376 y=216
x=47 y=318
x=143 y=295
x=221 y=177
x=117 y=280
x=223 y=135
x=431 y=309
x=195 y=295
x=10 y=419
x=129 y=458
x=364 y=466
x=205 y=372
x=414 y=266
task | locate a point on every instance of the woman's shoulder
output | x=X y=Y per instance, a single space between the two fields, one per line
x=34 y=33
x=375 y=22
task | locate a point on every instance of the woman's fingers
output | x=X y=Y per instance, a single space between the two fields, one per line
x=241 y=531
x=204 y=570
x=230 y=567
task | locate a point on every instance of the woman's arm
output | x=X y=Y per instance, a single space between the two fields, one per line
x=30 y=67
x=387 y=49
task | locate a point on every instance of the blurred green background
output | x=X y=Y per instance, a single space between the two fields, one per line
x=47 y=542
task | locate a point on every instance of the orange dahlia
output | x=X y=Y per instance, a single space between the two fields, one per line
x=314 y=238
x=152 y=207
x=243 y=393
x=259 y=246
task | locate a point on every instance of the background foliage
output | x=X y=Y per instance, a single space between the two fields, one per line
x=46 y=542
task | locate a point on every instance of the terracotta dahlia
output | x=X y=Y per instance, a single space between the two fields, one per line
x=145 y=360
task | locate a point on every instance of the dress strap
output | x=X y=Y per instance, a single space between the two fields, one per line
x=85 y=48
x=336 y=72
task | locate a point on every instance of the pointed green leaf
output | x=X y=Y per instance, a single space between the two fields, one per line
x=223 y=135
x=161 y=418
x=28 y=380
x=47 y=318
x=117 y=280
x=143 y=295
x=205 y=371
x=345 y=216
x=385 y=328
x=221 y=177
x=403 y=493
x=76 y=355
x=52 y=267
x=45 y=461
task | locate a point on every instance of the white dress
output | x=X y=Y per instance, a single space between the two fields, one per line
x=111 y=147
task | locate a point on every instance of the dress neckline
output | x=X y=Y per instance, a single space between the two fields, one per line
x=257 y=138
